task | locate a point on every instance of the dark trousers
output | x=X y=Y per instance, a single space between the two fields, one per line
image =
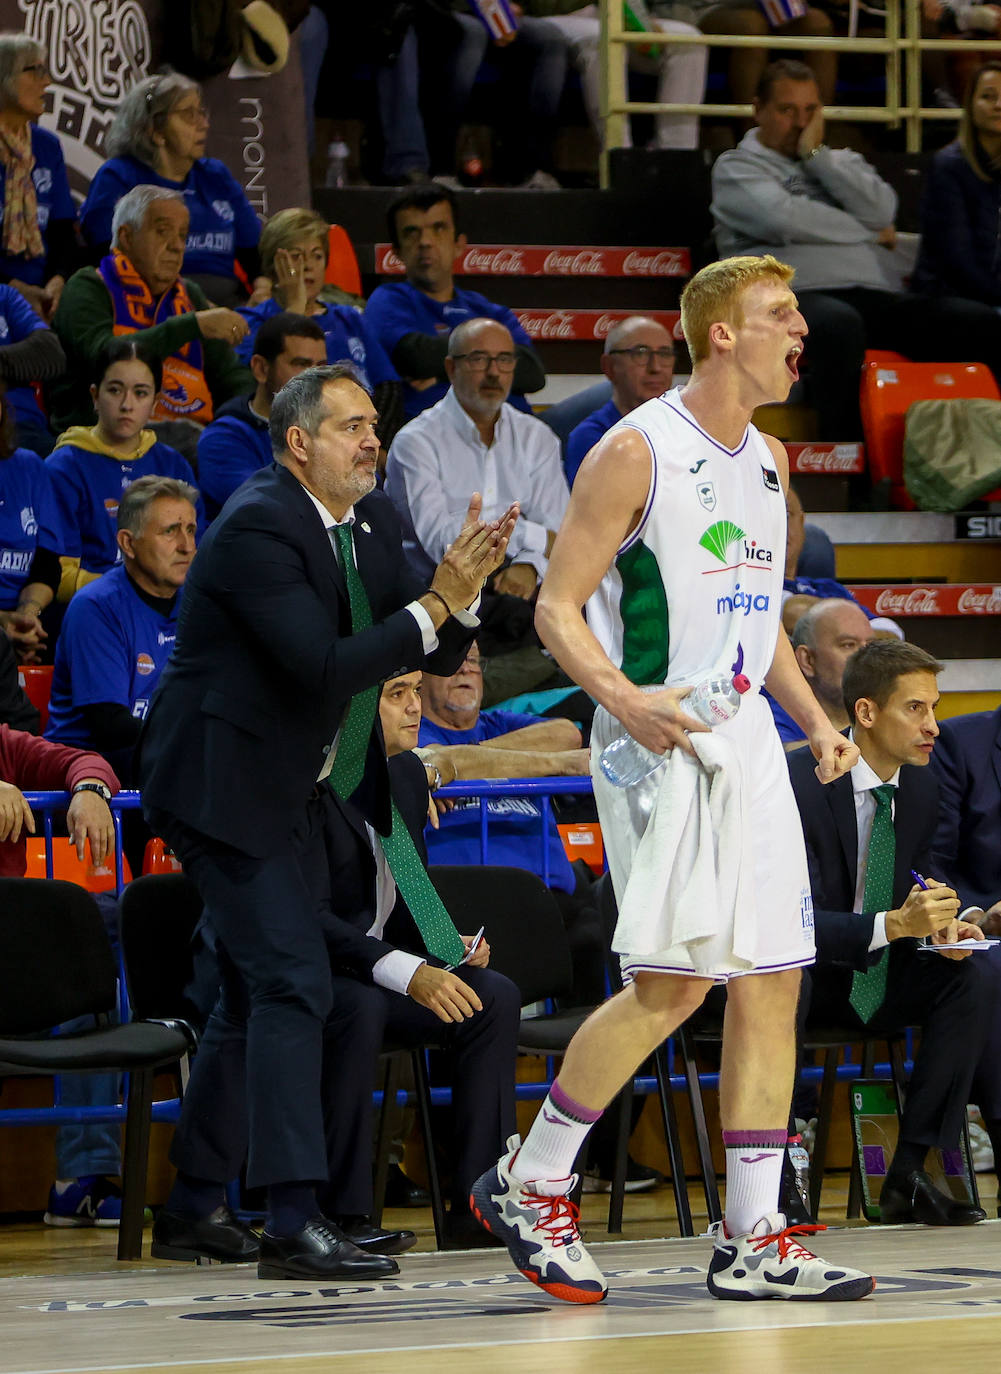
x=843 y=324
x=257 y=1073
x=481 y=1052
x=953 y=1002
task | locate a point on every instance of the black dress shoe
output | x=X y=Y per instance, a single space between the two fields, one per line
x=219 y=1236
x=375 y=1239
x=916 y=1198
x=319 y=1251
x=401 y=1192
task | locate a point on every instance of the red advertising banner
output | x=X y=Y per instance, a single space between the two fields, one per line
x=535 y=260
x=543 y=325
x=949 y=599
x=823 y=459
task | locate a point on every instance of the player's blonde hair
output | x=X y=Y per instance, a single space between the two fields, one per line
x=714 y=294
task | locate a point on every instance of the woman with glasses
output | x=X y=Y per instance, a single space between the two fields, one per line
x=37 y=237
x=158 y=138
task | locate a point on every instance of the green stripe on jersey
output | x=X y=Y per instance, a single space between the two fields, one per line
x=643 y=608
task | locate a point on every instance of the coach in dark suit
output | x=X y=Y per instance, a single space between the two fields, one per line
x=387 y=984
x=273 y=645
x=890 y=694
x=967 y=846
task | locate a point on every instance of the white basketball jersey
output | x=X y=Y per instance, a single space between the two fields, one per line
x=696 y=588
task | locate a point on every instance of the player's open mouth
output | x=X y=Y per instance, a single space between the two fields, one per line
x=792 y=360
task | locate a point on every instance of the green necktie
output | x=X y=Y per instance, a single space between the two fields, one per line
x=356 y=728
x=869 y=988
x=434 y=923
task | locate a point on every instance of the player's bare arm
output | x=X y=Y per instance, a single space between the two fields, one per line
x=835 y=755
x=607 y=500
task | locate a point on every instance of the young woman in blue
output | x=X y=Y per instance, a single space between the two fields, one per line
x=30 y=542
x=92 y=466
x=158 y=138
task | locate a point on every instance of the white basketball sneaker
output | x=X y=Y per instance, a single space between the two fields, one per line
x=769 y=1262
x=538 y=1224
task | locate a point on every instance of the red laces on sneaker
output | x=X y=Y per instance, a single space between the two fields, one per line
x=785 y=1242
x=558 y=1217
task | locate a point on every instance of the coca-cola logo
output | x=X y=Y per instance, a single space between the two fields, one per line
x=603 y=324
x=558 y=324
x=389 y=262
x=498 y=262
x=908 y=601
x=828 y=458
x=974 y=602
x=582 y=262
x=669 y=262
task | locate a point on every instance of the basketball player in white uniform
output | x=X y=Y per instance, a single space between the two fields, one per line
x=674 y=540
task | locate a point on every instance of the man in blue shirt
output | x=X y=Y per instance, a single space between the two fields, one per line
x=119 y=631
x=412 y=319
x=639 y=362
x=236 y=443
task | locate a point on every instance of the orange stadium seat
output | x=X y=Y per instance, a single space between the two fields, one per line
x=889 y=385
x=157 y=858
x=36 y=679
x=342 y=262
x=67 y=866
x=583 y=841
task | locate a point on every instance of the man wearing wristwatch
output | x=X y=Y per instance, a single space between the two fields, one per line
x=88 y=1156
x=830 y=215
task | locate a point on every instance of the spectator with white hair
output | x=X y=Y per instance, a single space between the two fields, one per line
x=157 y=138
x=138 y=288
x=37 y=237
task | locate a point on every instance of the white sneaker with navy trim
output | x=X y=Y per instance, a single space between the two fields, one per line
x=538 y=1224
x=769 y=1262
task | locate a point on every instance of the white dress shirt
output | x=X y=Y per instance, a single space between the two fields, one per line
x=863 y=782
x=438 y=460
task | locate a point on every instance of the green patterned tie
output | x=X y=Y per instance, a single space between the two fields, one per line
x=869 y=988
x=356 y=728
x=434 y=923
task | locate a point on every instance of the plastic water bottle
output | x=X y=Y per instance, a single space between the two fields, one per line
x=800 y=1161
x=338 y=153
x=716 y=699
x=626 y=762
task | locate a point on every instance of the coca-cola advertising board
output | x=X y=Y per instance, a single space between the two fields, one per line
x=99 y=49
x=826 y=459
x=588 y=325
x=538 y=260
x=945 y=599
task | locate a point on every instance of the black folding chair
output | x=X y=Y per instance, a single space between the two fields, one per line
x=56 y=963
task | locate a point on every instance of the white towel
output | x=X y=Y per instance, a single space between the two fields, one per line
x=692 y=874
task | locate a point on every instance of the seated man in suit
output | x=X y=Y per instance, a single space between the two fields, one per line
x=865 y=833
x=967 y=846
x=387 y=985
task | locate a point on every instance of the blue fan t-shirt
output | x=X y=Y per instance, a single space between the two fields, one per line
x=515 y=825
x=29 y=519
x=112 y=647
x=52 y=191
x=349 y=338
x=88 y=488
x=222 y=218
x=17 y=322
x=397 y=308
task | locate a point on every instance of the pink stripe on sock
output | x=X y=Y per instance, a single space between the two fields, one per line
x=765 y=1139
x=574 y=1109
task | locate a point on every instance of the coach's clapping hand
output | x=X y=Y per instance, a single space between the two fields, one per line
x=478 y=551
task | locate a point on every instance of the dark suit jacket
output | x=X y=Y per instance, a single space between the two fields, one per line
x=967 y=847
x=265 y=665
x=829 y=828
x=348 y=883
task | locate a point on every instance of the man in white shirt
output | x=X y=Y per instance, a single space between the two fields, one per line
x=871 y=970
x=473 y=438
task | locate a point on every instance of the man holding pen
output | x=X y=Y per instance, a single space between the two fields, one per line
x=882 y=930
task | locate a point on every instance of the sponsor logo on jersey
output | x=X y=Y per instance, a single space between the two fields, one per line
x=28 y=522
x=806 y=910
x=144 y=664
x=139 y=708
x=770 y=477
x=742 y=602
x=698 y=465
x=706 y=493
x=720 y=538
x=223 y=209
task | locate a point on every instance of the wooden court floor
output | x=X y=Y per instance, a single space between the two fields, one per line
x=66 y=1307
